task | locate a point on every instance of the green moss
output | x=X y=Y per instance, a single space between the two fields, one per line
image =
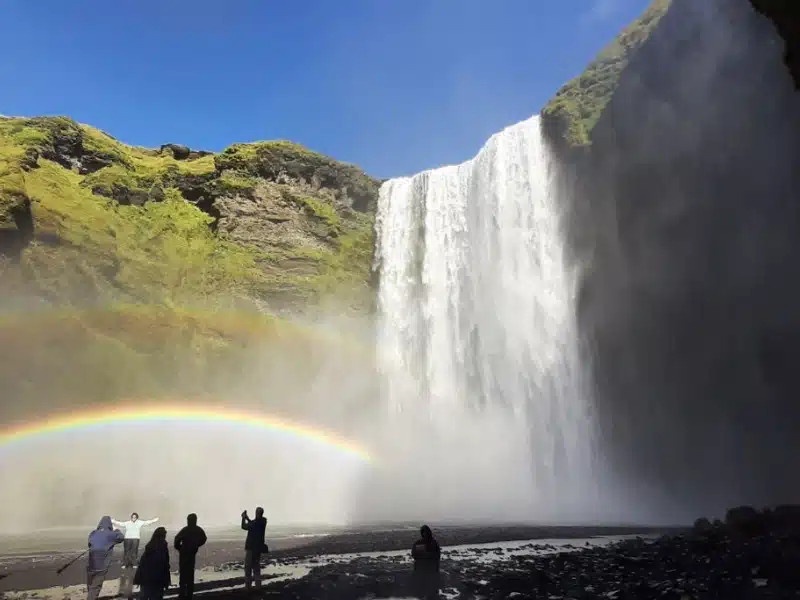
x=275 y=160
x=161 y=252
x=579 y=104
x=322 y=211
x=234 y=184
x=344 y=271
x=112 y=222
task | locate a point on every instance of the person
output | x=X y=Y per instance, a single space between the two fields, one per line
x=133 y=529
x=101 y=547
x=254 y=546
x=187 y=543
x=427 y=555
x=152 y=574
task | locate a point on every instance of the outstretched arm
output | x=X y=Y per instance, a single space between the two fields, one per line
x=117 y=523
x=150 y=521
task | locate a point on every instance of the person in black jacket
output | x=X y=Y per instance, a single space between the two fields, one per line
x=426 y=554
x=187 y=543
x=254 y=546
x=152 y=575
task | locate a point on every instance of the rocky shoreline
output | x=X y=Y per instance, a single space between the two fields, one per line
x=751 y=555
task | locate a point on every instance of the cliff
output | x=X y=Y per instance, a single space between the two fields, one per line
x=683 y=184
x=87 y=218
x=130 y=272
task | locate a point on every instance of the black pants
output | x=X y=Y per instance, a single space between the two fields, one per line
x=252 y=569
x=151 y=593
x=130 y=552
x=426 y=584
x=186 y=575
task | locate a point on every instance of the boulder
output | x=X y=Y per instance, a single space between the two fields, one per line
x=179 y=151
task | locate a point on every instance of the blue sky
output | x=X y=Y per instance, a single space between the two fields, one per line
x=395 y=86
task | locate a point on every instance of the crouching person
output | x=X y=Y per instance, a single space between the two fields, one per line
x=152 y=575
x=101 y=547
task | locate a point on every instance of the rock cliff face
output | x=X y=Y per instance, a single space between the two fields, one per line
x=85 y=218
x=686 y=214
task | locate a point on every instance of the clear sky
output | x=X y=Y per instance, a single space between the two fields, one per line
x=395 y=86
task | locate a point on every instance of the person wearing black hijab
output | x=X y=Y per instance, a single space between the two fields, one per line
x=153 y=574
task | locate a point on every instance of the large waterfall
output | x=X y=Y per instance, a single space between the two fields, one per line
x=477 y=338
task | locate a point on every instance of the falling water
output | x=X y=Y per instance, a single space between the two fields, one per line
x=477 y=334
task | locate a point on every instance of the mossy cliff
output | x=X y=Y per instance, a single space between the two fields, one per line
x=576 y=108
x=127 y=272
x=86 y=218
x=678 y=153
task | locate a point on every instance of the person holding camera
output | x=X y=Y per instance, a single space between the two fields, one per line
x=254 y=547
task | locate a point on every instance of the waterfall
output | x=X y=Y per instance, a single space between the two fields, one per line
x=477 y=336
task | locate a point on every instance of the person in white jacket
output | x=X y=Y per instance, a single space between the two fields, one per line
x=133 y=529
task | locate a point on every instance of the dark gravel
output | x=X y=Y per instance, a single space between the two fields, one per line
x=754 y=555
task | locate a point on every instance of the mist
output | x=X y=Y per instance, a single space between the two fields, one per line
x=465 y=466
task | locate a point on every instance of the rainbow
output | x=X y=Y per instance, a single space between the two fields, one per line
x=177 y=413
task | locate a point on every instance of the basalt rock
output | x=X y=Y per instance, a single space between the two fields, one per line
x=785 y=14
x=178 y=151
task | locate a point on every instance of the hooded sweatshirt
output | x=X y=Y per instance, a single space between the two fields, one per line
x=101 y=545
x=133 y=529
x=190 y=539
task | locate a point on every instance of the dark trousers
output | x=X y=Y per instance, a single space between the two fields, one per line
x=252 y=569
x=151 y=593
x=426 y=584
x=94 y=583
x=130 y=553
x=186 y=575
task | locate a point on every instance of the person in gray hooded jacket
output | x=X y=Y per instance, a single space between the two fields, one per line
x=101 y=546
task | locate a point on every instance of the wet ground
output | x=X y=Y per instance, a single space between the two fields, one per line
x=754 y=556
x=28 y=564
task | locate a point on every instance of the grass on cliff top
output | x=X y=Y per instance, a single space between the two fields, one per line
x=90 y=247
x=578 y=105
x=276 y=159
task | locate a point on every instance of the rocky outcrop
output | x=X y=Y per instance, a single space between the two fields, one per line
x=685 y=212
x=16 y=225
x=785 y=14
